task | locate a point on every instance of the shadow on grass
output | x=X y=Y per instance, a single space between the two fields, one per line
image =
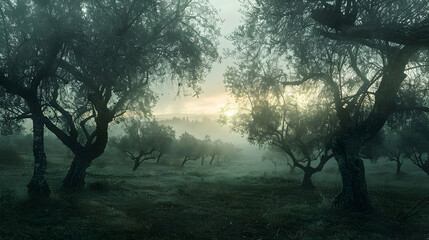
x=242 y=208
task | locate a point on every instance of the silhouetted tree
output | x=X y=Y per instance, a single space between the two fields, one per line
x=359 y=54
x=188 y=148
x=387 y=143
x=415 y=138
x=269 y=116
x=226 y=151
x=205 y=148
x=144 y=140
x=101 y=59
x=216 y=150
x=394 y=148
x=406 y=132
x=32 y=38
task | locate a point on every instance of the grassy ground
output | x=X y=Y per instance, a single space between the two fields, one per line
x=226 y=201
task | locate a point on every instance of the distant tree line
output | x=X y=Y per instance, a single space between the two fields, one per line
x=145 y=140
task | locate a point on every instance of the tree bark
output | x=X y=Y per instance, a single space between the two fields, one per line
x=306 y=182
x=158 y=158
x=136 y=164
x=37 y=187
x=184 y=161
x=83 y=155
x=75 y=177
x=347 y=145
x=398 y=166
x=354 y=192
x=211 y=160
x=425 y=166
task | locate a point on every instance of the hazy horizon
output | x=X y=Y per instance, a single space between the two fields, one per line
x=213 y=95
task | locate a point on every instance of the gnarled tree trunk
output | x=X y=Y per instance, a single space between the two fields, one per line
x=184 y=161
x=75 y=177
x=398 y=166
x=136 y=164
x=158 y=159
x=306 y=181
x=84 y=155
x=37 y=187
x=211 y=159
x=354 y=192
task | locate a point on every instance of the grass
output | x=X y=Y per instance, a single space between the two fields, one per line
x=166 y=202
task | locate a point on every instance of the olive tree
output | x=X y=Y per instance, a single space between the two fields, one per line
x=216 y=150
x=269 y=117
x=103 y=59
x=407 y=131
x=415 y=139
x=394 y=148
x=33 y=37
x=144 y=140
x=360 y=54
x=205 y=147
x=188 y=148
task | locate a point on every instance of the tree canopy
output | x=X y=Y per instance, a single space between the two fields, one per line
x=360 y=55
x=145 y=140
x=89 y=62
x=289 y=120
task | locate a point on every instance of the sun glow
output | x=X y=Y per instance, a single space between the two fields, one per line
x=303 y=99
x=204 y=105
x=229 y=112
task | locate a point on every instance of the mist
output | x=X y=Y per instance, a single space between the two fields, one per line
x=214 y=119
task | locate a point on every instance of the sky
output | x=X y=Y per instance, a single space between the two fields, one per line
x=213 y=96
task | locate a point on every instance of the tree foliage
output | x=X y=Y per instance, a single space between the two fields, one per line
x=144 y=141
x=289 y=121
x=150 y=140
x=415 y=139
x=361 y=55
x=88 y=62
